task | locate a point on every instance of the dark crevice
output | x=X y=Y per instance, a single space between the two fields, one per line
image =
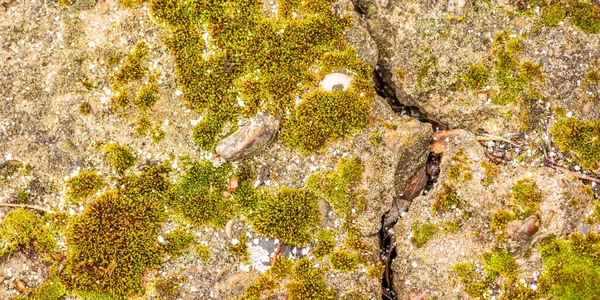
x=386 y=235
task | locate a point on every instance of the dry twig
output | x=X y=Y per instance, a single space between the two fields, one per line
x=26 y=206
x=575 y=174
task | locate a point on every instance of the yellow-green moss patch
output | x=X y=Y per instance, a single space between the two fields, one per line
x=526 y=196
x=325 y=243
x=579 y=138
x=307 y=282
x=177 y=241
x=84 y=184
x=422 y=234
x=118 y=157
x=22 y=229
x=342 y=260
x=204 y=253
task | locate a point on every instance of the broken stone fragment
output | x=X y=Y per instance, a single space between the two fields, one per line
x=249 y=139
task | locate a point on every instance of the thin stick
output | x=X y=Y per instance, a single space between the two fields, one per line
x=26 y=206
x=578 y=175
x=489 y=137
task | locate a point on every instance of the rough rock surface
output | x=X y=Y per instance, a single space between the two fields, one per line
x=428 y=269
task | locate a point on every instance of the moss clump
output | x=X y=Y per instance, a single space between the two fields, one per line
x=476 y=76
x=465 y=270
x=240 y=248
x=307 y=282
x=22 y=229
x=490 y=172
x=147 y=95
x=114 y=242
x=580 y=138
x=265 y=282
x=325 y=243
x=597 y=210
x=85 y=108
x=281 y=268
x=132 y=69
x=586 y=16
x=204 y=253
x=526 y=196
x=83 y=185
x=198 y=196
x=290 y=215
x=318 y=119
x=266 y=64
x=445 y=199
x=552 y=15
x=376 y=270
x=592 y=76
x=427 y=72
x=500 y=220
x=120 y=100
x=354 y=240
x=422 y=235
x=51 y=289
x=118 y=157
x=571 y=268
x=168 y=288
x=343 y=260
x=339 y=187
x=499 y=262
x=177 y=241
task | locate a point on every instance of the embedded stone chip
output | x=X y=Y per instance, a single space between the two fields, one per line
x=335 y=82
x=250 y=139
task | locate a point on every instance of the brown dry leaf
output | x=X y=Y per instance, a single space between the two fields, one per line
x=57 y=256
x=416 y=185
x=159 y=104
x=442 y=138
x=21 y=285
x=233 y=184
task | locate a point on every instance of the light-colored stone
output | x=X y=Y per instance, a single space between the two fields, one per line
x=250 y=139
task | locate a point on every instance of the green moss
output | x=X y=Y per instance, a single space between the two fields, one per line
x=281 y=268
x=526 y=196
x=325 y=243
x=476 y=76
x=120 y=100
x=445 y=199
x=520 y=292
x=22 y=230
x=592 y=76
x=198 y=196
x=354 y=240
x=580 y=138
x=267 y=63
x=586 y=16
x=318 y=119
x=147 y=95
x=308 y=283
x=204 y=253
x=464 y=270
x=114 y=242
x=552 y=15
x=376 y=139
x=376 y=270
x=168 y=288
x=51 y=289
x=427 y=73
x=490 y=172
x=597 y=210
x=500 y=220
x=291 y=215
x=571 y=268
x=83 y=185
x=240 y=249
x=132 y=69
x=421 y=235
x=343 y=260
x=339 y=187
x=499 y=262
x=22 y=196
x=118 y=157
x=451 y=226
x=85 y=108
x=177 y=241
x=143 y=125
x=476 y=289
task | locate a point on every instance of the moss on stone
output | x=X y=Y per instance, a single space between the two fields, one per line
x=85 y=108
x=422 y=234
x=265 y=282
x=114 y=242
x=490 y=172
x=499 y=222
x=147 y=95
x=338 y=187
x=177 y=241
x=168 y=288
x=51 y=289
x=571 y=267
x=526 y=196
x=343 y=260
x=444 y=200
x=308 y=282
x=204 y=253
x=198 y=195
x=132 y=69
x=553 y=14
x=83 y=185
x=579 y=138
x=291 y=215
x=376 y=270
x=118 y=157
x=476 y=76
x=426 y=74
x=325 y=243
x=240 y=248
x=464 y=270
x=21 y=229
x=586 y=16
x=592 y=76
x=499 y=262
x=353 y=240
